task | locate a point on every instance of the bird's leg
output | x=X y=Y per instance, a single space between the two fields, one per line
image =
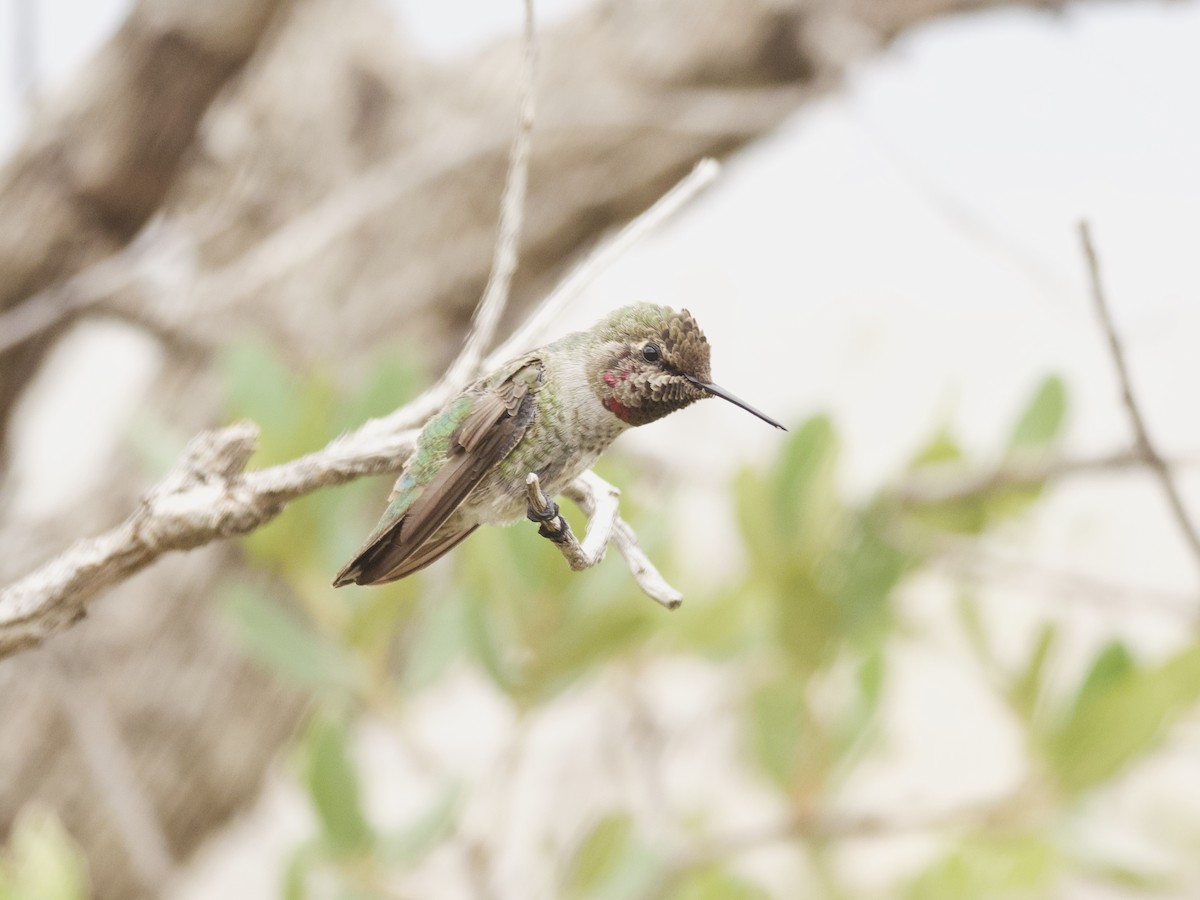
x=599 y=502
x=545 y=512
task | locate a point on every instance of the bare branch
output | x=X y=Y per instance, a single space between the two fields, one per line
x=568 y=290
x=116 y=284
x=970 y=558
x=648 y=578
x=512 y=211
x=98 y=162
x=110 y=284
x=1144 y=445
x=949 y=483
x=599 y=501
x=208 y=496
x=52 y=305
x=608 y=252
x=860 y=825
x=826 y=826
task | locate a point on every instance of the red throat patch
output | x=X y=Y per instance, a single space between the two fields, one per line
x=624 y=413
x=612 y=404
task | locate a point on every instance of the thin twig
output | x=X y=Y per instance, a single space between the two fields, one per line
x=568 y=289
x=606 y=253
x=600 y=502
x=1145 y=446
x=824 y=826
x=208 y=497
x=971 y=558
x=949 y=483
x=117 y=285
x=960 y=214
x=512 y=212
x=50 y=306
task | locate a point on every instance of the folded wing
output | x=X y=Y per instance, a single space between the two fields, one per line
x=494 y=425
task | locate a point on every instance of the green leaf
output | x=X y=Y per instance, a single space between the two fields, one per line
x=1026 y=689
x=412 y=843
x=1035 y=433
x=585 y=639
x=597 y=856
x=941 y=449
x=724 y=626
x=610 y=863
x=865 y=570
x=716 y=883
x=260 y=387
x=493 y=642
x=1041 y=422
x=298 y=869
x=1112 y=667
x=284 y=645
x=986 y=866
x=779 y=724
x=975 y=629
x=804 y=491
x=375 y=617
x=871 y=675
x=332 y=783
x=788 y=513
x=1135 y=881
x=1120 y=712
x=396 y=374
x=42 y=862
x=440 y=637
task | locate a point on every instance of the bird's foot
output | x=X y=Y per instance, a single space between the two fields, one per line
x=558 y=535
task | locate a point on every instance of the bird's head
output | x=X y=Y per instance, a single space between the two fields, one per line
x=649 y=360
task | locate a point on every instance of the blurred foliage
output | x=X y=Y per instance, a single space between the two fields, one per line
x=813 y=609
x=814 y=605
x=41 y=862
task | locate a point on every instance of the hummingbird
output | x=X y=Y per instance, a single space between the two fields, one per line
x=552 y=411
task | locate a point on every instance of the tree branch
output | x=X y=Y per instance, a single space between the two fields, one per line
x=599 y=501
x=208 y=496
x=609 y=250
x=949 y=483
x=970 y=558
x=606 y=253
x=97 y=162
x=512 y=210
x=826 y=826
x=1145 y=447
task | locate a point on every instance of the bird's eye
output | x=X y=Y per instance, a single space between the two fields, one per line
x=651 y=353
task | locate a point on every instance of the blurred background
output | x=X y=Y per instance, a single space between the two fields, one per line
x=939 y=640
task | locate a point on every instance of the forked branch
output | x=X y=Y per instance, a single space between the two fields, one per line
x=209 y=496
x=600 y=502
x=1144 y=446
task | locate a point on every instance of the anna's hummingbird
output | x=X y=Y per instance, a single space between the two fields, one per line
x=552 y=411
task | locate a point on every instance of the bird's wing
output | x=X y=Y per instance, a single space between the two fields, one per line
x=443 y=541
x=490 y=429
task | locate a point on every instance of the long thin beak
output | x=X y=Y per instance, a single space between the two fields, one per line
x=717 y=391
